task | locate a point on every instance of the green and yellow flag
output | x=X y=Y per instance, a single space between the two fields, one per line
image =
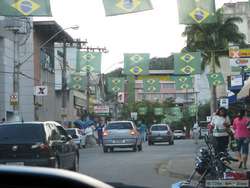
x=187 y=63
x=136 y=64
x=25 y=8
x=89 y=62
x=176 y=111
x=158 y=111
x=183 y=82
x=115 y=85
x=215 y=79
x=196 y=11
x=192 y=110
x=142 y=110
x=151 y=85
x=77 y=81
x=117 y=7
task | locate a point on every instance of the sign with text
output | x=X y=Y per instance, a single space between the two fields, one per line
x=101 y=110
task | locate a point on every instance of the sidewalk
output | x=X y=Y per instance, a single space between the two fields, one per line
x=182 y=167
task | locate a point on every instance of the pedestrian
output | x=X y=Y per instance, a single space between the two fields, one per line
x=3 y=120
x=242 y=134
x=196 y=132
x=99 y=129
x=221 y=124
x=143 y=131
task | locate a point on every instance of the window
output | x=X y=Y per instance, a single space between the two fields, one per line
x=159 y=128
x=112 y=126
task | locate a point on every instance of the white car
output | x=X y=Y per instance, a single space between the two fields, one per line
x=78 y=136
x=179 y=134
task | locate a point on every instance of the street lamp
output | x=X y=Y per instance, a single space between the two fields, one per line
x=17 y=65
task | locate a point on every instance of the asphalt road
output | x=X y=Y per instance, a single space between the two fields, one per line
x=146 y=169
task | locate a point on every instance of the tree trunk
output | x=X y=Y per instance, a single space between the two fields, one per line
x=213 y=102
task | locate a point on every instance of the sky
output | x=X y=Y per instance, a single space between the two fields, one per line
x=156 y=31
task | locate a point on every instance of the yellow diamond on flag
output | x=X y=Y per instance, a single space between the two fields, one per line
x=151 y=88
x=88 y=68
x=182 y=79
x=77 y=78
x=214 y=76
x=217 y=82
x=136 y=70
x=88 y=57
x=184 y=86
x=187 y=69
x=116 y=89
x=128 y=5
x=136 y=58
x=77 y=86
x=151 y=81
x=199 y=15
x=25 y=7
x=187 y=58
x=116 y=81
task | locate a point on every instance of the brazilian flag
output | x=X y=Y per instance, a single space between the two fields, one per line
x=117 y=7
x=25 y=8
x=215 y=79
x=116 y=85
x=196 y=11
x=183 y=82
x=77 y=81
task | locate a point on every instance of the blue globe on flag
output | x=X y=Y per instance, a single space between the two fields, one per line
x=26 y=6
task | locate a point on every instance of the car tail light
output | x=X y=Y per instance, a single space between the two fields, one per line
x=105 y=133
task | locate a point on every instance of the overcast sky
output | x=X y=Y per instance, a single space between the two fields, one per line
x=156 y=31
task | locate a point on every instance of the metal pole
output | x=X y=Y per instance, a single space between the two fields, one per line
x=64 y=82
x=88 y=91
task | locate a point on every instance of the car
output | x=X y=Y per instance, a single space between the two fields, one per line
x=179 y=134
x=160 y=133
x=44 y=144
x=121 y=134
x=78 y=136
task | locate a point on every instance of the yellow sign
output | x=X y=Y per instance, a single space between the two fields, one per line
x=161 y=78
x=245 y=52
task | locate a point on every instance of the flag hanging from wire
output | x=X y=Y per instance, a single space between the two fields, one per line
x=215 y=79
x=77 y=81
x=25 y=8
x=136 y=64
x=188 y=63
x=89 y=62
x=117 y=7
x=196 y=11
x=115 y=85
x=151 y=85
x=183 y=82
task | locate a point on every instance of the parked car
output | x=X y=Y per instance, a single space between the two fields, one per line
x=78 y=136
x=160 y=133
x=45 y=144
x=179 y=134
x=121 y=134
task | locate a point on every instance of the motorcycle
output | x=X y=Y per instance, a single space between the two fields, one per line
x=214 y=170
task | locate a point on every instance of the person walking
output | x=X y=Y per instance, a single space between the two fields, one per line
x=221 y=124
x=242 y=135
x=143 y=131
x=196 y=132
x=99 y=130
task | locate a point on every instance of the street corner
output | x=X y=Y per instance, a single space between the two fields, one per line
x=176 y=168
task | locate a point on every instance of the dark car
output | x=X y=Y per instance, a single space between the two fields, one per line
x=44 y=144
x=160 y=133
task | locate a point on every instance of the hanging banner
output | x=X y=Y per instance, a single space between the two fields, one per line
x=215 y=79
x=77 y=81
x=151 y=85
x=136 y=64
x=25 y=8
x=142 y=110
x=187 y=63
x=192 y=110
x=115 y=85
x=158 y=111
x=117 y=7
x=183 y=82
x=196 y=11
x=89 y=62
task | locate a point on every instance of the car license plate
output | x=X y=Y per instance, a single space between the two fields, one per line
x=15 y=163
x=159 y=138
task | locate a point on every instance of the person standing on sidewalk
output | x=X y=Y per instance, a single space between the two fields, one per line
x=196 y=132
x=242 y=134
x=221 y=124
x=99 y=129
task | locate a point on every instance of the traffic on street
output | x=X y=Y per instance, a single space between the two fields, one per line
x=124 y=93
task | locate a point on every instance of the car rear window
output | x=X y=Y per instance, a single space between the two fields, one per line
x=22 y=132
x=178 y=131
x=159 y=128
x=112 y=126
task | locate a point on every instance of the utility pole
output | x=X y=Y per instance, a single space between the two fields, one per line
x=64 y=82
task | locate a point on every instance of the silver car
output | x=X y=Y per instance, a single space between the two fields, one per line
x=121 y=134
x=160 y=133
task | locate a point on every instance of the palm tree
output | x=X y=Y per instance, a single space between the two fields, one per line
x=212 y=40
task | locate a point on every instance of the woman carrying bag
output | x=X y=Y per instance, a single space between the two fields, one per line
x=242 y=135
